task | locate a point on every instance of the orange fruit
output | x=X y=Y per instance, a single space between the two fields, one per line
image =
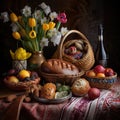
x=100 y=75
x=24 y=73
x=91 y=73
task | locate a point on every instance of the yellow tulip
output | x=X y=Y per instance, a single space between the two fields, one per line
x=20 y=54
x=32 y=34
x=13 y=17
x=45 y=26
x=16 y=35
x=51 y=25
x=32 y=22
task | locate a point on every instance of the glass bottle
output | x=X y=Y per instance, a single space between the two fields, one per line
x=101 y=56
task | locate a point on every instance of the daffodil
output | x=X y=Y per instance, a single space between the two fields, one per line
x=56 y=38
x=44 y=42
x=26 y=11
x=53 y=15
x=4 y=16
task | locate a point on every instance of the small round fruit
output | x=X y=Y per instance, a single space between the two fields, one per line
x=12 y=79
x=93 y=93
x=99 y=69
x=109 y=72
x=24 y=74
x=100 y=75
x=91 y=73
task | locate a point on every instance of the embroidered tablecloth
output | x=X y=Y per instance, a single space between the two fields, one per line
x=106 y=107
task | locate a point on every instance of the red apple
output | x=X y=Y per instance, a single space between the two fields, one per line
x=99 y=69
x=93 y=93
x=109 y=72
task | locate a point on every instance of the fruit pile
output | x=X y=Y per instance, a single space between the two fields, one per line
x=100 y=72
x=101 y=77
x=12 y=76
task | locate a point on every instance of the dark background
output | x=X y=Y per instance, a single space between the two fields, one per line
x=83 y=15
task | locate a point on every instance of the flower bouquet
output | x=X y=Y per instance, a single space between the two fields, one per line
x=36 y=29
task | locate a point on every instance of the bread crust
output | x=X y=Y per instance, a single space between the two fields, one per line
x=58 y=66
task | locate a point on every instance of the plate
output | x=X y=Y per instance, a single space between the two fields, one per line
x=60 y=100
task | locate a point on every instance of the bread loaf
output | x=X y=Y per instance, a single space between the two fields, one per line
x=58 y=66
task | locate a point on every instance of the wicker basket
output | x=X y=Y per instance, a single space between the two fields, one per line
x=20 y=86
x=102 y=83
x=86 y=62
x=61 y=78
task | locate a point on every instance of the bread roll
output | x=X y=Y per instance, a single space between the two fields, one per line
x=48 y=91
x=58 y=66
x=80 y=87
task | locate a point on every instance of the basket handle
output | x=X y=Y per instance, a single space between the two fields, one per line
x=66 y=35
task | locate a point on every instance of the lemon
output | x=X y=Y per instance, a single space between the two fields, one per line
x=24 y=73
x=61 y=94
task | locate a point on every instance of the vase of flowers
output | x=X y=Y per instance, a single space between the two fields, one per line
x=38 y=28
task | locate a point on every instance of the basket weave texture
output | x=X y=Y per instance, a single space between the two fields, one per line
x=61 y=78
x=21 y=86
x=102 y=83
x=86 y=62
